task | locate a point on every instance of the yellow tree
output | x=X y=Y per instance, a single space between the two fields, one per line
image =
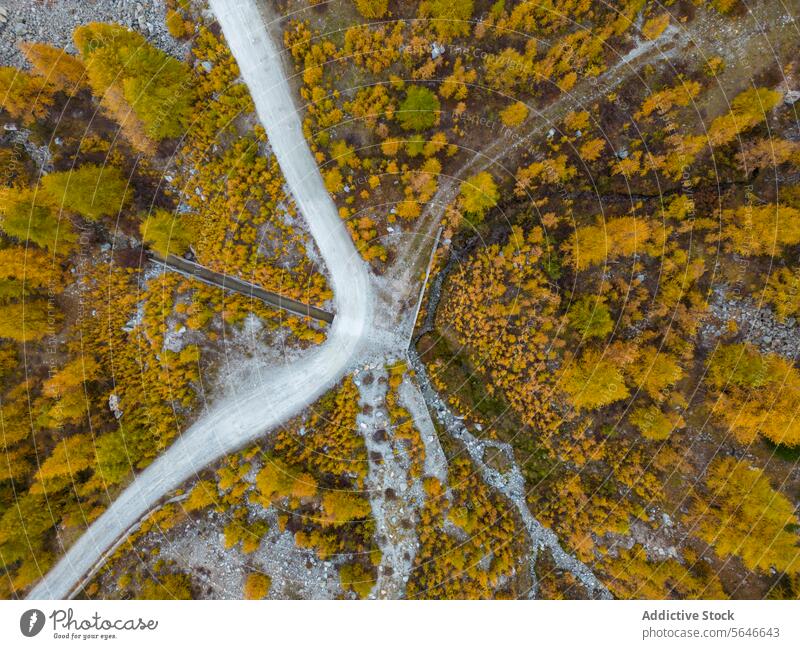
x=747 y=109
x=69 y=457
x=23 y=270
x=514 y=114
x=620 y=237
x=654 y=370
x=26 y=322
x=341 y=507
x=372 y=8
x=761 y=229
x=654 y=423
x=593 y=381
x=756 y=394
x=166 y=233
x=134 y=79
x=62 y=70
x=654 y=27
x=256 y=585
x=354 y=576
x=782 y=290
x=24 y=96
x=478 y=194
x=590 y=317
x=93 y=191
x=29 y=216
x=448 y=19
x=746 y=517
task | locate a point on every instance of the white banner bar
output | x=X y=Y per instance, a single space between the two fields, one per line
x=401 y=625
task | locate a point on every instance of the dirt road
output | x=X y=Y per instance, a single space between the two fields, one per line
x=286 y=390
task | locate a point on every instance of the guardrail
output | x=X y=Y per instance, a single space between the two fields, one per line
x=229 y=283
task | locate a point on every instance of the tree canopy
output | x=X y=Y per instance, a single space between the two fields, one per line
x=54 y=65
x=128 y=73
x=478 y=194
x=419 y=110
x=28 y=215
x=93 y=191
x=746 y=517
x=24 y=96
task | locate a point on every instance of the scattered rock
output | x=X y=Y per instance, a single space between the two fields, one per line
x=113 y=405
x=791 y=97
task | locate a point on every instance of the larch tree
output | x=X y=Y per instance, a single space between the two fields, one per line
x=70 y=456
x=355 y=577
x=654 y=370
x=29 y=216
x=419 y=110
x=57 y=67
x=761 y=229
x=92 y=191
x=372 y=8
x=653 y=423
x=340 y=507
x=514 y=114
x=755 y=394
x=589 y=316
x=24 y=96
x=744 y=516
x=478 y=194
x=25 y=322
x=783 y=291
x=605 y=241
x=448 y=19
x=256 y=585
x=27 y=269
x=128 y=74
x=593 y=381
x=166 y=233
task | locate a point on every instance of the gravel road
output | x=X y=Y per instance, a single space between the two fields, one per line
x=286 y=390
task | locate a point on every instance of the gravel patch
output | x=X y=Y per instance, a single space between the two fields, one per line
x=756 y=324
x=54 y=22
x=395 y=498
x=198 y=547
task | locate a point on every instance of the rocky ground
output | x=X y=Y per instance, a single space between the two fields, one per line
x=757 y=324
x=395 y=498
x=19 y=138
x=198 y=548
x=52 y=21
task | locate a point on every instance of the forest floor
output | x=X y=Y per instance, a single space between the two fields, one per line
x=372 y=325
